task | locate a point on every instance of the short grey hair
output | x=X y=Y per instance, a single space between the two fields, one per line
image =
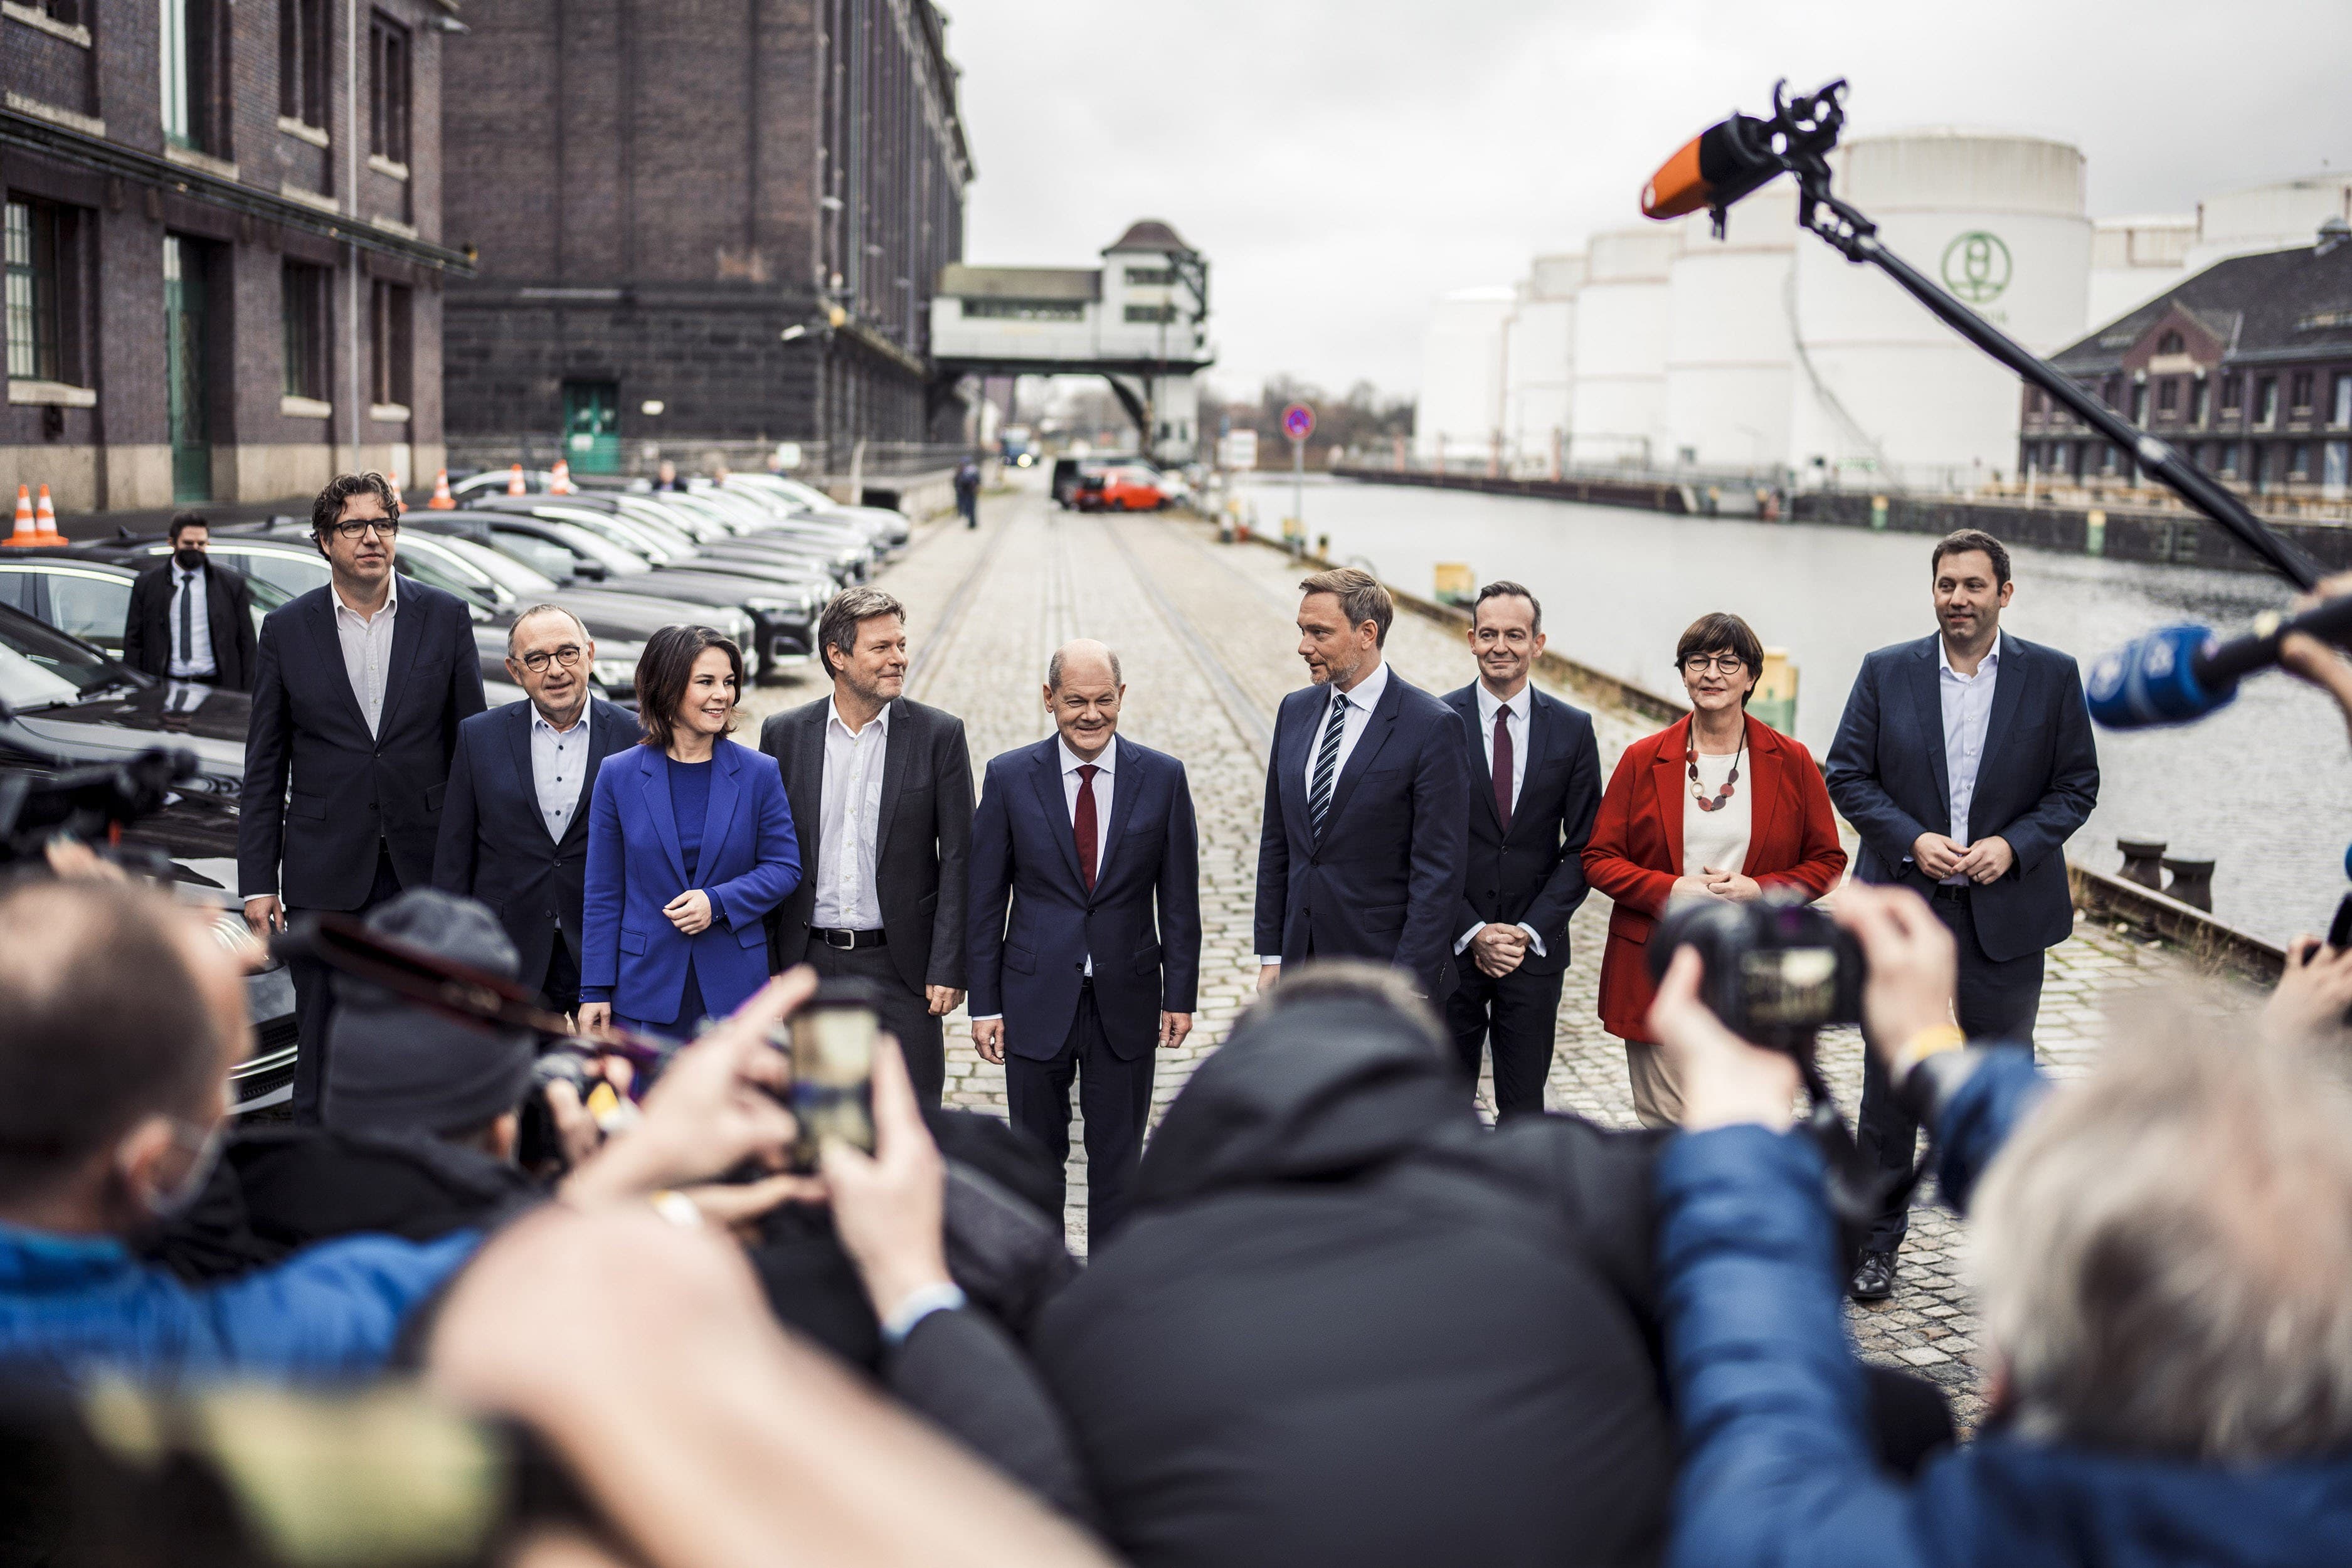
x=1053 y=670
x=837 y=627
x=1355 y=979
x=2162 y=1251
x=545 y=610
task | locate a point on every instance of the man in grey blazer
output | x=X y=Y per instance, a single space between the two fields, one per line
x=881 y=795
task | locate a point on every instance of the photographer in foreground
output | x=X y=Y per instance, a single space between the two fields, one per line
x=2162 y=1254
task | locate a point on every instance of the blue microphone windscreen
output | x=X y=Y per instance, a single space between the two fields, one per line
x=2153 y=681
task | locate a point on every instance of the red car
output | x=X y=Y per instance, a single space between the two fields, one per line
x=1121 y=489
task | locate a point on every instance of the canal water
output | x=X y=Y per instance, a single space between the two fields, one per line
x=2263 y=787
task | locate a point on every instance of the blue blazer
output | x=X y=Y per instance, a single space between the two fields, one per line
x=1023 y=851
x=750 y=862
x=2036 y=781
x=1385 y=881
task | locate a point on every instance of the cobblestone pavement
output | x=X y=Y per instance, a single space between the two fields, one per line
x=1206 y=639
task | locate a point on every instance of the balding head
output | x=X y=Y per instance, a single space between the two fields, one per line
x=1082 y=659
x=1083 y=693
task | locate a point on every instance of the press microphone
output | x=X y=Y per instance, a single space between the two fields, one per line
x=1713 y=169
x=2179 y=674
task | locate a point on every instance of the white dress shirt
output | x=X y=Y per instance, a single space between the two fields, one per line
x=1355 y=713
x=849 y=816
x=1104 y=783
x=367 y=648
x=1520 y=708
x=559 y=763
x=189 y=586
x=1967 y=713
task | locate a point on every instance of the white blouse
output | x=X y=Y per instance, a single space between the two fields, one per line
x=1716 y=838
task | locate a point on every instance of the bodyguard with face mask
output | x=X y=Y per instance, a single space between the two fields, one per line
x=191 y=619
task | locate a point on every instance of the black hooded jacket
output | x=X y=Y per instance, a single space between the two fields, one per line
x=1347 y=1324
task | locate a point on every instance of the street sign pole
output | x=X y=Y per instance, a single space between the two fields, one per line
x=1299 y=423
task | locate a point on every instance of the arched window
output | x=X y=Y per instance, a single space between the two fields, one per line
x=2169 y=343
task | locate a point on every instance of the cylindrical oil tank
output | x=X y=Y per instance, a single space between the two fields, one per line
x=2276 y=217
x=1617 y=414
x=1728 y=345
x=1885 y=392
x=2134 y=260
x=1461 y=403
x=1539 y=358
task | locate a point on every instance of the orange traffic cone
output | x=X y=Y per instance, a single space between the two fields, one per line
x=442 y=499
x=25 y=530
x=561 y=484
x=36 y=524
x=514 y=482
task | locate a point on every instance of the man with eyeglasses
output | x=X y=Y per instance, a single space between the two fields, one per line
x=514 y=830
x=359 y=688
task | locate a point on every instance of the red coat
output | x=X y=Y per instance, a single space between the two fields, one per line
x=1636 y=850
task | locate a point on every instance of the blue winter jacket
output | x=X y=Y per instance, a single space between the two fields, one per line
x=1778 y=1467
x=71 y=1305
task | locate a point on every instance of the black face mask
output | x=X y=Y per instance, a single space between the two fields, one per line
x=188 y=557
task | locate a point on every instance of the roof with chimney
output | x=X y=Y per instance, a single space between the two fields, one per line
x=2275 y=307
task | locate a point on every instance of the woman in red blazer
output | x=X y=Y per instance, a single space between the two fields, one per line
x=1717 y=806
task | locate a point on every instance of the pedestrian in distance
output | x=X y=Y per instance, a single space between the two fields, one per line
x=1717 y=806
x=667 y=477
x=514 y=828
x=359 y=688
x=1534 y=776
x=967 y=491
x=881 y=789
x=1367 y=802
x=1966 y=762
x=1085 y=925
x=191 y=619
x=690 y=845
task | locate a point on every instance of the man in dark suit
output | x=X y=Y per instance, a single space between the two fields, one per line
x=1535 y=773
x=1367 y=804
x=1966 y=762
x=358 y=691
x=880 y=789
x=1084 y=834
x=190 y=619
x=514 y=828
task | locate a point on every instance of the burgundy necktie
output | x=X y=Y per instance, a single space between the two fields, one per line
x=1502 y=767
x=1082 y=822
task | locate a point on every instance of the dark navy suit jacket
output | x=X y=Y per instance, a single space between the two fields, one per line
x=1385 y=882
x=494 y=846
x=1533 y=875
x=2036 y=781
x=749 y=863
x=351 y=788
x=1024 y=851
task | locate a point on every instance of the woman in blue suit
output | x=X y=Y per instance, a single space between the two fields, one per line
x=691 y=844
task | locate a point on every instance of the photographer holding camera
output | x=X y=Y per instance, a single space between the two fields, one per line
x=2162 y=1253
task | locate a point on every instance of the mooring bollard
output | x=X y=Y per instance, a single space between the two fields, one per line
x=2192 y=881
x=2143 y=861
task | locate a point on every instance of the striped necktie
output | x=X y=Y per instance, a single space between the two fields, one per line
x=1326 y=764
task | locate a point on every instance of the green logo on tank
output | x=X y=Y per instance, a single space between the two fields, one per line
x=1975 y=267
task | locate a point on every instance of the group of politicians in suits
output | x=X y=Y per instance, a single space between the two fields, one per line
x=652 y=872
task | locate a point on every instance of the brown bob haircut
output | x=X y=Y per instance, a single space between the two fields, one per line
x=1719 y=632
x=664 y=668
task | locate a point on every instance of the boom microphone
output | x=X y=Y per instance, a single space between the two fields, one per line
x=1713 y=169
x=2179 y=674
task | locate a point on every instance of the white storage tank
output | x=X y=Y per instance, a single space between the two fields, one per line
x=2276 y=217
x=1881 y=387
x=1729 y=346
x=1460 y=410
x=1617 y=414
x=2134 y=260
x=1538 y=358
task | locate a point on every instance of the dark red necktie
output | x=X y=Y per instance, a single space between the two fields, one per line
x=1502 y=767
x=1082 y=823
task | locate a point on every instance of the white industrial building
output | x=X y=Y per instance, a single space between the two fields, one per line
x=1663 y=349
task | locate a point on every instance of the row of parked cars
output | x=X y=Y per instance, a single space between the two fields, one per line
x=756 y=556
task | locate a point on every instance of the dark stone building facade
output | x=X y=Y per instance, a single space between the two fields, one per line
x=2247 y=367
x=707 y=222
x=223 y=265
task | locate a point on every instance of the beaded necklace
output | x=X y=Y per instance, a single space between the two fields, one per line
x=1730 y=786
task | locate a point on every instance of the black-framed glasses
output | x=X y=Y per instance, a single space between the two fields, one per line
x=385 y=527
x=568 y=656
x=1700 y=663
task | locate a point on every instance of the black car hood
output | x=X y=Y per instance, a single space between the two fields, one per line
x=198 y=824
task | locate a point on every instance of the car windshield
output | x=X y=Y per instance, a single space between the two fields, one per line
x=40 y=667
x=596 y=547
x=645 y=520
x=807 y=495
x=514 y=577
x=691 y=518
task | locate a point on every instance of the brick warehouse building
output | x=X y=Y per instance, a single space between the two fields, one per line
x=223 y=270
x=660 y=194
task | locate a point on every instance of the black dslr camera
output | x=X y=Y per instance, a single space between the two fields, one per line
x=1777 y=969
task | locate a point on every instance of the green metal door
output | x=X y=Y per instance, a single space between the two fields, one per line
x=183 y=351
x=592 y=426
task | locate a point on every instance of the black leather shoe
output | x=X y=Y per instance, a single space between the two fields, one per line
x=1874 y=1277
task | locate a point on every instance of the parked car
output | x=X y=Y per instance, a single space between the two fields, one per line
x=1120 y=488
x=892 y=526
x=64 y=702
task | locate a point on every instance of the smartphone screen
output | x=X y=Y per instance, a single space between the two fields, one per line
x=832 y=1076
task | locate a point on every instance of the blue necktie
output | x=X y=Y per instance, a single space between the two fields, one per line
x=1326 y=764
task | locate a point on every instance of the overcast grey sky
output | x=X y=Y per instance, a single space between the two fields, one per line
x=1343 y=161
